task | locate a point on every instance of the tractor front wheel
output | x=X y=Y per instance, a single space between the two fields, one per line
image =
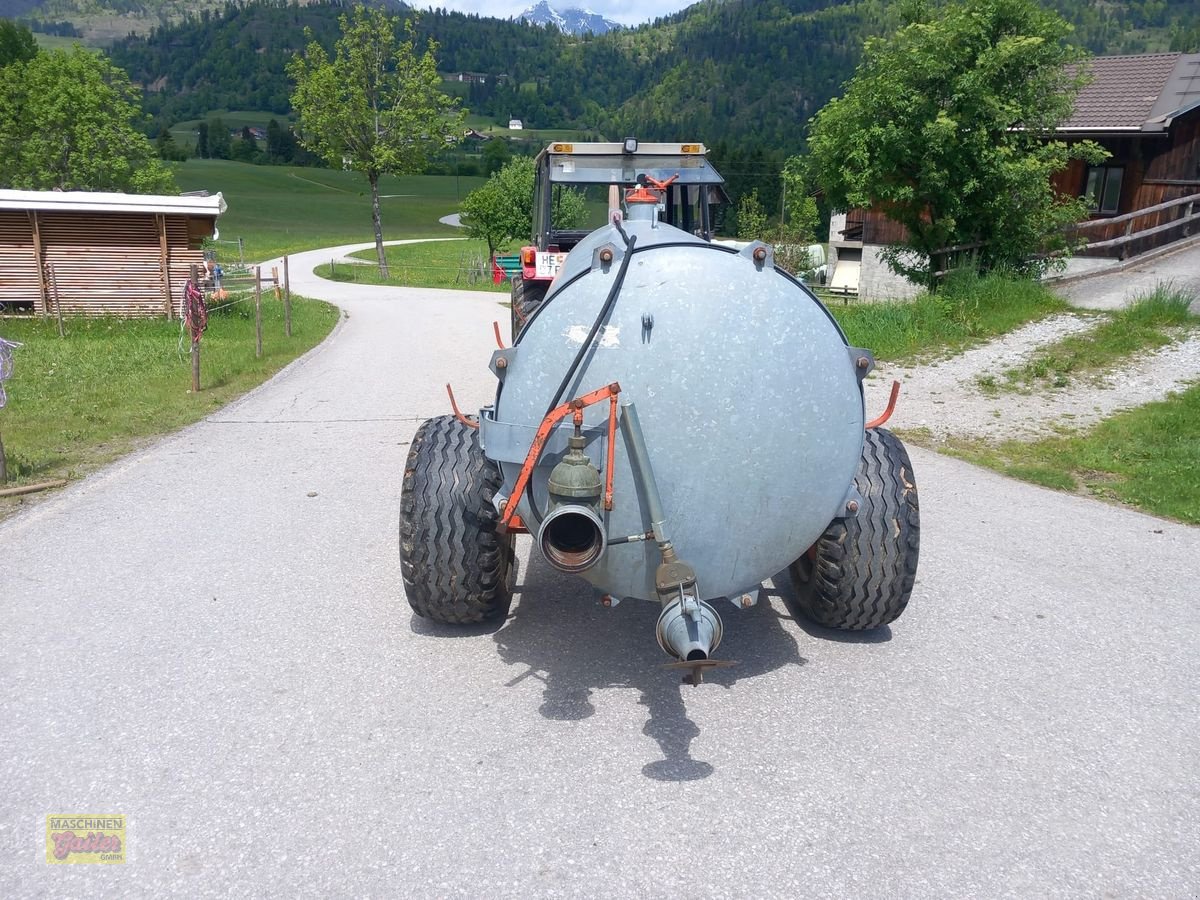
x=455 y=564
x=860 y=572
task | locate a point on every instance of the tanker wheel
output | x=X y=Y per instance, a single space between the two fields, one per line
x=859 y=574
x=454 y=563
x=527 y=296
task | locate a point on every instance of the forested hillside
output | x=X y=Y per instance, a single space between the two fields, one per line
x=749 y=72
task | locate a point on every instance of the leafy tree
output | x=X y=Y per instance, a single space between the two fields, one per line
x=495 y=155
x=946 y=128
x=281 y=144
x=751 y=220
x=376 y=106
x=69 y=120
x=16 y=43
x=166 y=148
x=502 y=210
x=220 y=145
x=246 y=148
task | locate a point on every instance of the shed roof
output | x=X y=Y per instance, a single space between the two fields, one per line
x=97 y=201
x=1142 y=93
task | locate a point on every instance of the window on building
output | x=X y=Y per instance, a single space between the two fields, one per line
x=1104 y=188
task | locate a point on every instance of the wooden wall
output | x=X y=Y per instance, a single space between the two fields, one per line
x=99 y=263
x=19 y=285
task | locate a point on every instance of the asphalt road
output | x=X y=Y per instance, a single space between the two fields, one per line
x=210 y=638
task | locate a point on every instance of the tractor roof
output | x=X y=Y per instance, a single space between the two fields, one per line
x=614 y=163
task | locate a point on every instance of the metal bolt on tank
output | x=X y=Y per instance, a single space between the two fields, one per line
x=676 y=421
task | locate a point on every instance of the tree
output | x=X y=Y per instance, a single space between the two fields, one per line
x=246 y=147
x=502 y=210
x=17 y=43
x=376 y=106
x=220 y=145
x=202 y=140
x=69 y=121
x=495 y=155
x=946 y=127
x=166 y=148
x=751 y=220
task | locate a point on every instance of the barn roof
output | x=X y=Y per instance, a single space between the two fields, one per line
x=1131 y=94
x=97 y=201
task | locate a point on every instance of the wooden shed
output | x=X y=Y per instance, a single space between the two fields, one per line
x=99 y=253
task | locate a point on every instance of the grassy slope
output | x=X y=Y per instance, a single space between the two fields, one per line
x=282 y=209
x=78 y=402
x=1148 y=457
x=460 y=265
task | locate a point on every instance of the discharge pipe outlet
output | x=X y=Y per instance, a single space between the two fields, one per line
x=572 y=536
x=689 y=629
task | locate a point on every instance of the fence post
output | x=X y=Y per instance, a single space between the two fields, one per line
x=287 y=300
x=258 y=311
x=195 y=338
x=57 y=299
x=241 y=253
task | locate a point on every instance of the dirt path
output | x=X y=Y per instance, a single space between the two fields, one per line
x=945 y=396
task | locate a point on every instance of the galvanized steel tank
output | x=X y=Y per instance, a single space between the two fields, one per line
x=749 y=398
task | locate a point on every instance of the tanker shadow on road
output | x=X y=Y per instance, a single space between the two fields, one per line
x=559 y=635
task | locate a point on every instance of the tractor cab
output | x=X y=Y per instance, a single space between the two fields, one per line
x=606 y=171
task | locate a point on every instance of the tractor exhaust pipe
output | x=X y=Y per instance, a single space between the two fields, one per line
x=572 y=538
x=689 y=629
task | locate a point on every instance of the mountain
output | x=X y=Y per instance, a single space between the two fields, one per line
x=569 y=21
x=750 y=73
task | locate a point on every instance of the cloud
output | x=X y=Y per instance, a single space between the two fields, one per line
x=627 y=12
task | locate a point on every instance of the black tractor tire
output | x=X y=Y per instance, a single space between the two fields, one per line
x=860 y=572
x=527 y=296
x=455 y=565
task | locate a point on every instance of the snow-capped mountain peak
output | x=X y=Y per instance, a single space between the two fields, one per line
x=569 y=21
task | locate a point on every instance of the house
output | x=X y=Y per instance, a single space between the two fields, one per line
x=515 y=125
x=1145 y=110
x=91 y=253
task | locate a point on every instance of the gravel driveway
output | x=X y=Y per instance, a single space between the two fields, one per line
x=210 y=638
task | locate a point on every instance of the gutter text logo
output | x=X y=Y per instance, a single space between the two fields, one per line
x=85 y=839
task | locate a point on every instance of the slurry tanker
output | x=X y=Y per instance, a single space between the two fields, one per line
x=676 y=421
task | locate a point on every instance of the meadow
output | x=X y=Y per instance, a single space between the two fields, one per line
x=286 y=209
x=79 y=401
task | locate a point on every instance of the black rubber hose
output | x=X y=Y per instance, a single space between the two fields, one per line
x=603 y=315
x=609 y=302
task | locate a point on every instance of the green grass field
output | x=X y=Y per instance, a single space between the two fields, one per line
x=1148 y=457
x=285 y=209
x=460 y=265
x=77 y=402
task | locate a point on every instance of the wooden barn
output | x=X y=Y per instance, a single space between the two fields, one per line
x=99 y=253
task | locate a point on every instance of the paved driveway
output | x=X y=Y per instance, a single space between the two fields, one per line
x=210 y=638
x=1112 y=290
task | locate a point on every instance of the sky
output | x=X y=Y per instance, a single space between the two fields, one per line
x=627 y=12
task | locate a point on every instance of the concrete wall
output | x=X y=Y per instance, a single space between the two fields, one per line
x=877 y=282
